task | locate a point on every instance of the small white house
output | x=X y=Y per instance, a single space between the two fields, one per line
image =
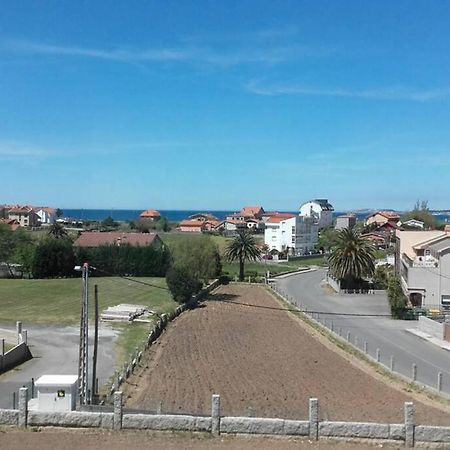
x=56 y=392
x=47 y=216
x=297 y=234
x=320 y=210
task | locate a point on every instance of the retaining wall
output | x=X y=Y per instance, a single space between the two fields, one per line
x=431 y=327
x=406 y=432
x=17 y=355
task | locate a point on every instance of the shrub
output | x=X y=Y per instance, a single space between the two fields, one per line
x=53 y=258
x=397 y=299
x=182 y=284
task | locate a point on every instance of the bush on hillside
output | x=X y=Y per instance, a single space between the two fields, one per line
x=182 y=284
x=397 y=299
x=53 y=258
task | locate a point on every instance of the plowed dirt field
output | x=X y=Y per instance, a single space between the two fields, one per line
x=263 y=362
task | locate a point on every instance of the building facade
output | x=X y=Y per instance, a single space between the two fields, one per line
x=320 y=210
x=423 y=265
x=297 y=234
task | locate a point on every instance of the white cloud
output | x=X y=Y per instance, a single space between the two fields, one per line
x=388 y=93
x=22 y=150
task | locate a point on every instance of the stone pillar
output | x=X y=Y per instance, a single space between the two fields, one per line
x=409 y=424
x=215 y=414
x=19 y=331
x=118 y=413
x=23 y=407
x=313 y=418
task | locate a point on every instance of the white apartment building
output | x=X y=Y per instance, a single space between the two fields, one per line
x=297 y=234
x=320 y=210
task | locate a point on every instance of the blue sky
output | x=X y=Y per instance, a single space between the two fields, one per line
x=217 y=104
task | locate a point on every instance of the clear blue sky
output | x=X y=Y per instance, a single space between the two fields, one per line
x=217 y=104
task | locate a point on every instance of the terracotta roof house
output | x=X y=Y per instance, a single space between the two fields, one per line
x=11 y=223
x=252 y=211
x=150 y=214
x=203 y=217
x=96 y=239
x=24 y=215
x=381 y=217
x=269 y=214
x=192 y=226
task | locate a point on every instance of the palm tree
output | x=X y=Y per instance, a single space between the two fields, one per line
x=57 y=231
x=352 y=257
x=243 y=247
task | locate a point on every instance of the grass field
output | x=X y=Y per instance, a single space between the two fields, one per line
x=57 y=301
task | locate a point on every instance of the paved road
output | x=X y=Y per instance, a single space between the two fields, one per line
x=305 y=290
x=55 y=352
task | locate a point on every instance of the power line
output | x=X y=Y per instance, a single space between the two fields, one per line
x=304 y=310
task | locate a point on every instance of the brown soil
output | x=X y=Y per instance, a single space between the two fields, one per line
x=71 y=439
x=265 y=363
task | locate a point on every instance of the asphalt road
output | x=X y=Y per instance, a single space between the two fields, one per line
x=307 y=291
x=55 y=352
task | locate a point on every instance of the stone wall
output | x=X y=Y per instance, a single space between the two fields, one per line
x=431 y=327
x=406 y=432
x=17 y=355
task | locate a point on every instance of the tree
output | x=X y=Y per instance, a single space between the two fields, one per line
x=53 y=258
x=243 y=247
x=59 y=213
x=199 y=255
x=352 y=258
x=421 y=212
x=15 y=247
x=182 y=284
x=109 y=223
x=327 y=239
x=397 y=299
x=57 y=231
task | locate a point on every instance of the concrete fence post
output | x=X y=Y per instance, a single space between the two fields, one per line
x=356 y=341
x=439 y=382
x=118 y=412
x=366 y=347
x=25 y=336
x=414 y=372
x=377 y=355
x=2 y=346
x=392 y=363
x=339 y=331
x=215 y=414
x=19 y=331
x=348 y=336
x=314 y=418
x=332 y=327
x=23 y=407
x=409 y=424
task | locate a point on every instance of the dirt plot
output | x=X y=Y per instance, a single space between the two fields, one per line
x=263 y=362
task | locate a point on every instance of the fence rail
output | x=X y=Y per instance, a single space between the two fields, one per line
x=407 y=432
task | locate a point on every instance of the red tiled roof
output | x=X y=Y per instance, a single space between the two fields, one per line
x=278 y=214
x=12 y=223
x=251 y=210
x=150 y=213
x=390 y=215
x=192 y=223
x=278 y=219
x=95 y=239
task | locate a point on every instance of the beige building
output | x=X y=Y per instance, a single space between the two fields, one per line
x=382 y=217
x=24 y=216
x=423 y=264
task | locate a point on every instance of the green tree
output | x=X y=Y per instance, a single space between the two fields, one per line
x=57 y=231
x=421 y=212
x=352 y=258
x=327 y=239
x=53 y=258
x=15 y=247
x=397 y=299
x=243 y=247
x=109 y=223
x=182 y=284
x=199 y=255
x=59 y=213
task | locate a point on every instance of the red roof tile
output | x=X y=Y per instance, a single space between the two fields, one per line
x=152 y=213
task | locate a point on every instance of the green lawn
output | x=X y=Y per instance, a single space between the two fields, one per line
x=57 y=301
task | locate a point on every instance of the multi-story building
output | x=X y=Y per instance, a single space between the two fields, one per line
x=423 y=264
x=25 y=216
x=345 y=221
x=296 y=234
x=320 y=210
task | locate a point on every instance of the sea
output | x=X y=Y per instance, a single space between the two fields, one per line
x=175 y=215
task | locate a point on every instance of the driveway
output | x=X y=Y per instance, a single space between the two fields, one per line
x=55 y=352
x=379 y=331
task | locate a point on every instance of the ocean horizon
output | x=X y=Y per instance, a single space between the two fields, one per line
x=174 y=215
